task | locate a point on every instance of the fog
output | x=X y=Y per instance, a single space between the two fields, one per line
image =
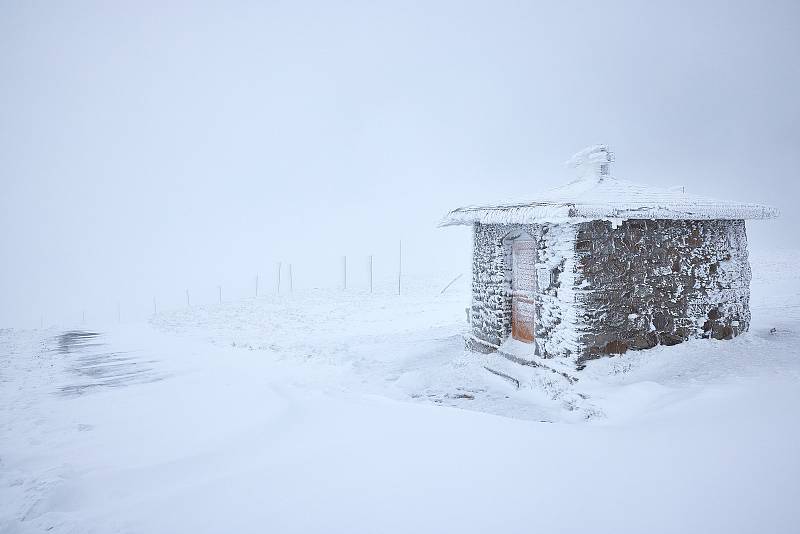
x=147 y=149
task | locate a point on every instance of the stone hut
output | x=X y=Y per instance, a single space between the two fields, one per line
x=601 y=266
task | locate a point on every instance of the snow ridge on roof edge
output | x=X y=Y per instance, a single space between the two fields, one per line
x=546 y=212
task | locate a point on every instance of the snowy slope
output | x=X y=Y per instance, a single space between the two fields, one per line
x=347 y=412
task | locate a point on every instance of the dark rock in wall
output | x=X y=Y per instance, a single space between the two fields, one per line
x=672 y=279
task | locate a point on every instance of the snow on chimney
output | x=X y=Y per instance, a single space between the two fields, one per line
x=592 y=162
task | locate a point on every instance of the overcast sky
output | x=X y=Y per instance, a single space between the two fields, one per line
x=146 y=149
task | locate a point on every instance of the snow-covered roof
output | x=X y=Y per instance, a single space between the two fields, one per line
x=598 y=195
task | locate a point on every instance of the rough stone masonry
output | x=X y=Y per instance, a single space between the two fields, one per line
x=660 y=282
x=633 y=286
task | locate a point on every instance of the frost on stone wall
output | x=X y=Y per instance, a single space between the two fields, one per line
x=720 y=302
x=490 y=313
x=651 y=282
x=556 y=313
x=604 y=288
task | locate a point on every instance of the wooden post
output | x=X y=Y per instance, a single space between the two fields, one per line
x=220 y=294
x=83 y=316
x=370 y=274
x=291 y=288
x=279 y=278
x=155 y=309
x=187 y=299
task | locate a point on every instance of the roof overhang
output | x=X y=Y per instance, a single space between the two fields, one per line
x=547 y=212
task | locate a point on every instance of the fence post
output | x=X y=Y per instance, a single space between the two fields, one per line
x=344 y=272
x=370 y=274
x=220 y=294
x=279 y=278
x=291 y=282
x=256 y=285
x=155 y=309
x=188 y=304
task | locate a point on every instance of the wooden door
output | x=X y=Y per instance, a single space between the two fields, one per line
x=523 y=287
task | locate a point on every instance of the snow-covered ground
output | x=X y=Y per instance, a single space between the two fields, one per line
x=332 y=411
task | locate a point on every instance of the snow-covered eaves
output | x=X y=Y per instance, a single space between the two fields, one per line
x=608 y=198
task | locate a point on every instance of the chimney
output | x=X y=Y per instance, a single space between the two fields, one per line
x=592 y=163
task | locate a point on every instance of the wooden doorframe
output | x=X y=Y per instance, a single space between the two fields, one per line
x=523 y=287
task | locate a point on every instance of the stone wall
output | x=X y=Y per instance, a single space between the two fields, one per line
x=490 y=311
x=651 y=282
x=557 y=316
